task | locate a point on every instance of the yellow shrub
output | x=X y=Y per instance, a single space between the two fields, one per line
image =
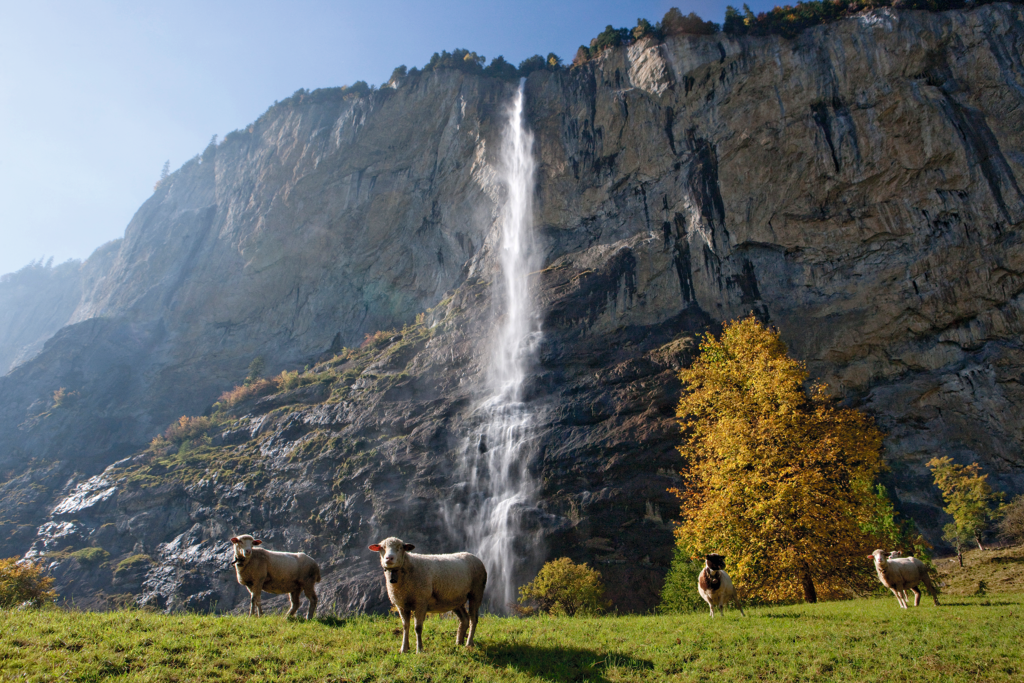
x=564 y=587
x=24 y=582
x=260 y=387
x=187 y=428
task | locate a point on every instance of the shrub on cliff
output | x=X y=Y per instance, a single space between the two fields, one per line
x=779 y=480
x=499 y=68
x=260 y=387
x=564 y=587
x=22 y=582
x=674 y=23
x=187 y=428
x=458 y=59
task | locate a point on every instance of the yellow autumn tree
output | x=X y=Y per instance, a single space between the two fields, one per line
x=778 y=479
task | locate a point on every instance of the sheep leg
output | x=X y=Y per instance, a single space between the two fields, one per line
x=899 y=598
x=294 y=597
x=421 y=616
x=931 y=588
x=474 y=616
x=917 y=596
x=310 y=590
x=739 y=605
x=404 y=614
x=252 y=602
x=463 y=616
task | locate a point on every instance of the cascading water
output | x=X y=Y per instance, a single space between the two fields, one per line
x=499 y=491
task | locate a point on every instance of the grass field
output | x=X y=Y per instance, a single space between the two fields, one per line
x=967 y=639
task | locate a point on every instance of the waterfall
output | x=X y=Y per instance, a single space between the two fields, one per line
x=499 y=493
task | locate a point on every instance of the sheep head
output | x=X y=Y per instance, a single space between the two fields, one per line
x=714 y=562
x=392 y=554
x=880 y=557
x=243 y=546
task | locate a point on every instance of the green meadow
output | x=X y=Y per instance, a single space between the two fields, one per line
x=968 y=638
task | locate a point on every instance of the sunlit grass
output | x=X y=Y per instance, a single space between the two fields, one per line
x=967 y=638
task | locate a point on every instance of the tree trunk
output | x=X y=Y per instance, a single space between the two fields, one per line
x=978 y=540
x=960 y=556
x=810 y=595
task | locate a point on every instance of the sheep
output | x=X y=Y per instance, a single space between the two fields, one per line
x=259 y=569
x=420 y=584
x=901 y=573
x=715 y=586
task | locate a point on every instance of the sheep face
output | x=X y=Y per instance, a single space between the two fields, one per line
x=243 y=546
x=392 y=553
x=714 y=562
x=879 y=556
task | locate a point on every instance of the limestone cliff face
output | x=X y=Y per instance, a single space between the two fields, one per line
x=39 y=299
x=858 y=187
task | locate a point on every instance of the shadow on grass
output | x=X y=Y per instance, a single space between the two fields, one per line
x=331 y=621
x=561 y=664
x=983 y=603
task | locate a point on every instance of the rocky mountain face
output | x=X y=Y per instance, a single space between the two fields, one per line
x=39 y=299
x=858 y=187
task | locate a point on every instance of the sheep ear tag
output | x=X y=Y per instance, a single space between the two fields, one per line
x=408 y=547
x=257 y=542
x=375 y=548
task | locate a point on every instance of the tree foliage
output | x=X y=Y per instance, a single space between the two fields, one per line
x=499 y=68
x=564 y=587
x=1011 y=526
x=674 y=23
x=256 y=368
x=679 y=592
x=779 y=481
x=969 y=500
x=22 y=582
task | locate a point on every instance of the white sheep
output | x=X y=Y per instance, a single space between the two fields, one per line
x=421 y=584
x=715 y=586
x=899 y=574
x=259 y=569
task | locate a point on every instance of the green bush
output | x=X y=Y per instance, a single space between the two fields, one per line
x=132 y=563
x=531 y=64
x=499 y=68
x=564 y=587
x=22 y=582
x=679 y=594
x=89 y=557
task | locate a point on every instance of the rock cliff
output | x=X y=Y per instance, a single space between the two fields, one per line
x=857 y=186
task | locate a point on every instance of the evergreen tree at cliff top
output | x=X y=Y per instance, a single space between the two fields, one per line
x=779 y=481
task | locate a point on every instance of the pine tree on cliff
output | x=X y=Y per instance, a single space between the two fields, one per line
x=777 y=480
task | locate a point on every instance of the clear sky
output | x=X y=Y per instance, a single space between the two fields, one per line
x=96 y=95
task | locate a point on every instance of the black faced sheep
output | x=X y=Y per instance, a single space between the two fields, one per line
x=421 y=584
x=715 y=586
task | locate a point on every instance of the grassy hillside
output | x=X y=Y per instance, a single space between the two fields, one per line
x=968 y=638
x=1001 y=570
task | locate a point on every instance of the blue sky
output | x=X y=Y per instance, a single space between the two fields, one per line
x=95 y=96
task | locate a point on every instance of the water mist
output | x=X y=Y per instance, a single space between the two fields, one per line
x=499 y=491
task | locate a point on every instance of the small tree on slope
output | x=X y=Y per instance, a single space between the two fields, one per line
x=779 y=481
x=969 y=499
